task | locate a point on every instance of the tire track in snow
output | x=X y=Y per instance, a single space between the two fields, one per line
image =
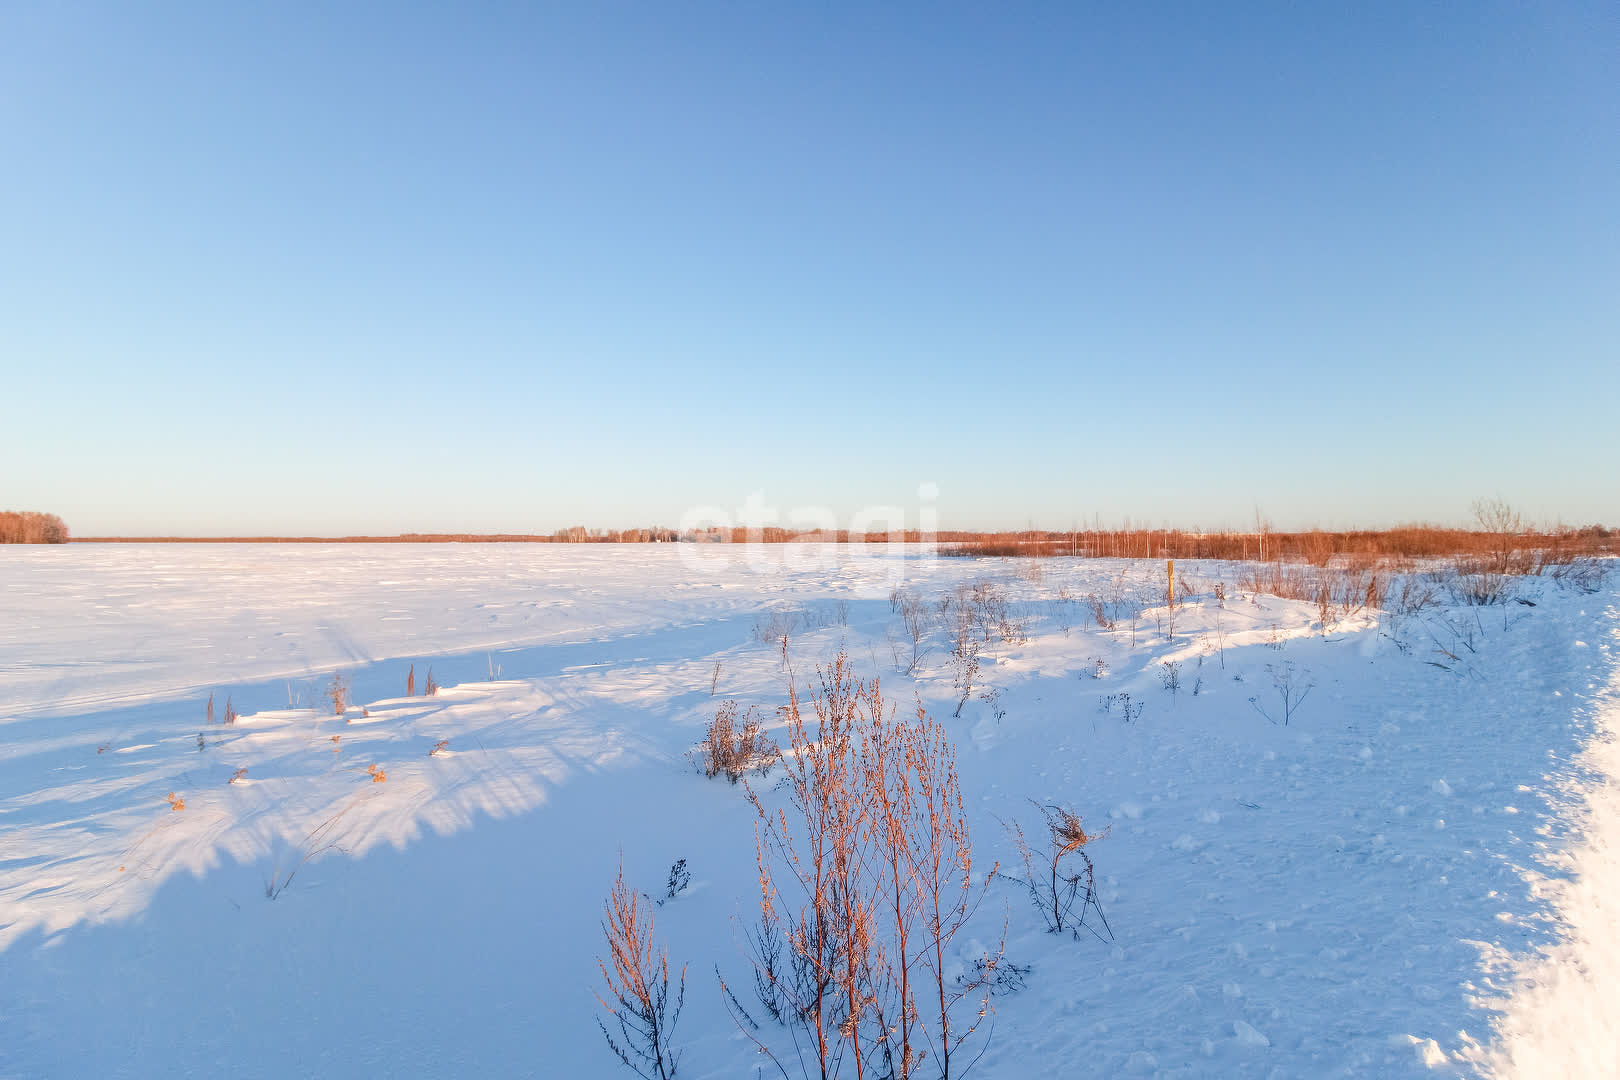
x=1563 y=1017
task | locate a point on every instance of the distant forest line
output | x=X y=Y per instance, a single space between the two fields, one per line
x=1315 y=546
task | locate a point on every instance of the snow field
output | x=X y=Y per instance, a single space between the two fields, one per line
x=1361 y=892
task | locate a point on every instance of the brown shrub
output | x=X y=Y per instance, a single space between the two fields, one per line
x=736 y=749
x=337 y=692
x=866 y=884
x=638 y=987
x=1057 y=883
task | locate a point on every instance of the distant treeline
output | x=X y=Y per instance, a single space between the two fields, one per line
x=1315 y=546
x=576 y=535
x=29 y=528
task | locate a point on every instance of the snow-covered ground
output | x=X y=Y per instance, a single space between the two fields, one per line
x=1415 y=875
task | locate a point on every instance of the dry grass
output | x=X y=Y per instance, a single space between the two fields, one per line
x=734 y=749
x=1061 y=875
x=638 y=984
x=864 y=885
x=337 y=692
x=1315 y=547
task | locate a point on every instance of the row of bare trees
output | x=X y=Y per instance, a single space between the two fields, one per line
x=31 y=528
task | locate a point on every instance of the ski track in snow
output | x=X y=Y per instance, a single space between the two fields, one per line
x=1414 y=877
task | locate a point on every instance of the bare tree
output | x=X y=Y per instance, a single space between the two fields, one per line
x=1503 y=525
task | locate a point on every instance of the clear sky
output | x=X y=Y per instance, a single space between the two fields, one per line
x=376 y=267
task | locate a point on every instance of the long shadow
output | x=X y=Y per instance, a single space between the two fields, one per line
x=163 y=721
x=462 y=956
x=84 y=811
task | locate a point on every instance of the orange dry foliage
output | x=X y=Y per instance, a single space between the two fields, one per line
x=31 y=528
x=638 y=986
x=1315 y=546
x=736 y=749
x=878 y=867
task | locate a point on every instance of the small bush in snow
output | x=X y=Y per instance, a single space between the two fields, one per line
x=1292 y=687
x=999 y=974
x=1060 y=876
x=638 y=996
x=736 y=749
x=679 y=878
x=337 y=692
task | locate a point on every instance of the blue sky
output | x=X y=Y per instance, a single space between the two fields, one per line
x=369 y=268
